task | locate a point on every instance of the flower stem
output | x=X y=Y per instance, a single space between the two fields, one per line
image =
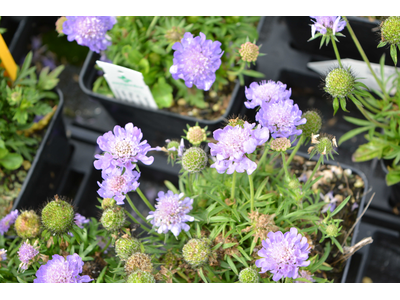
x=145 y=199
x=233 y=186
x=264 y=155
x=135 y=209
x=299 y=143
x=309 y=180
x=251 y=192
x=284 y=163
x=151 y=26
x=336 y=51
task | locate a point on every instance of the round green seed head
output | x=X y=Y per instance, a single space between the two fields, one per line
x=113 y=218
x=293 y=183
x=27 y=225
x=339 y=83
x=196 y=135
x=249 y=275
x=141 y=277
x=126 y=246
x=194 y=159
x=325 y=145
x=332 y=230
x=280 y=144
x=58 y=216
x=138 y=261
x=390 y=30
x=196 y=252
x=313 y=125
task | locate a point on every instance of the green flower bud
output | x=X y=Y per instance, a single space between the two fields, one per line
x=332 y=230
x=236 y=121
x=138 y=261
x=293 y=183
x=323 y=144
x=390 y=30
x=196 y=135
x=249 y=52
x=113 y=218
x=313 y=125
x=140 y=276
x=249 y=275
x=194 y=160
x=339 y=83
x=58 y=216
x=59 y=24
x=107 y=203
x=196 y=252
x=126 y=246
x=175 y=34
x=27 y=225
x=280 y=144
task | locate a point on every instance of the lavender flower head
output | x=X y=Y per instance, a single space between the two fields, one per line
x=80 y=220
x=281 y=118
x=3 y=254
x=26 y=254
x=171 y=213
x=323 y=24
x=233 y=145
x=196 y=60
x=330 y=200
x=59 y=270
x=266 y=92
x=89 y=31
x=117 y=186
x=283 y=254
x=123 y=149
x=7 y=221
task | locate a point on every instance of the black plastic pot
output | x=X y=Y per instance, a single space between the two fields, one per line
x=48 y=165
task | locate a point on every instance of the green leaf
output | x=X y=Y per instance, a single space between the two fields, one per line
x=335 y=105
x=162 y=93
x=381 y=44
x=337 y=209
x=3 y=152
x=348 y=135
x=217 y=219
x=343 y=104
x=202 y=275
x=368 y=151
x=393 y=53
x=393 y=177
x=232 y=265
x=316 y=266
x=253 y=73
x=11 y=161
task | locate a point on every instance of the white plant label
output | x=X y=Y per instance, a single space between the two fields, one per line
x=359 y=69
x=127 y=84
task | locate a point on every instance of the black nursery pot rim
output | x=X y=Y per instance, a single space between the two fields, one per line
x=43 y=143
x=360 y=209
x=86 y=67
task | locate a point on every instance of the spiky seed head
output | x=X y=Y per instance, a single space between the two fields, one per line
x=27 y=225
x=313 y=125
x=339 y=83
x=58 y=216
x=194 y=159
x=236 y=121
x=332 y=230
x=196 y=135
x=196 y=252
x=140 y=276
x=113 y=218
x=249 y=275
x=324 y=145
x=126 y=246
x=249 y=52
x=390 y=30
x=138 y=261
x=280 y=144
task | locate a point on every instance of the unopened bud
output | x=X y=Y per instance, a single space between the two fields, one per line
x=194 y=159
x=58 y=216
x=27 y=225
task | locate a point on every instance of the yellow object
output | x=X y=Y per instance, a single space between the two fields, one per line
x=7 y=60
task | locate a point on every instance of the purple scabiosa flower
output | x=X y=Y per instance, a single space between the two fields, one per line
x=281 y=118
x=171 y=213
x=283 y=254
x=3 y=254
x=233 y=145
x=323 y=24
x=80 y=220
x=7 y=221
x=89 y=31
x=266 y=92
x=330 y=200
x=117 y=186
x=26 y=254
x=196 y=60
x=59 y=270
x=123 y=148
x=354 y=206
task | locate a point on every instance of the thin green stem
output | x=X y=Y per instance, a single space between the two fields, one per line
x=151 y=26
x=285 y=166
x=137 y=222
x=361 y=109
x=135 y=209
x=251 y=192
x=264 y=155
x=366 y=104
x=314 y=171
x=233 y=186
x=299 y=143
x=336 y=51
x=145 y=199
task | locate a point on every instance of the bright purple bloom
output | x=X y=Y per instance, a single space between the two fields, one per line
x=89 y=31
x=281 y=118
x=330 y=200
x=26 y=254
x=80 y=220
x=266 y=92
x=171 y=213
x=59 y=270
x=3 y=254
x=117 y=186
x=283 y=254
x=122 y=149
x=196 y=60
x=322 y=24
x=233 y=145
x=7 y=221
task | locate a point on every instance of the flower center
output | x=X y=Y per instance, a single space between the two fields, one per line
x=124 y=149
x=117 y=183
x=170 y=212
x=196 y=62
x=283 y=255
x=233 y=141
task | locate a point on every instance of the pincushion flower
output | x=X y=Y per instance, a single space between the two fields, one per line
x=7 y=221
x=266 y=92
x=123 y=149
x=324 y=24
x=233 y=145
x=116 y=185
x=59 y=270
x=89 y=31
x=196 y=60
x=27 y=254
x=80 y=220
x=281 y=118
x=171 y=214
x=283 y=254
